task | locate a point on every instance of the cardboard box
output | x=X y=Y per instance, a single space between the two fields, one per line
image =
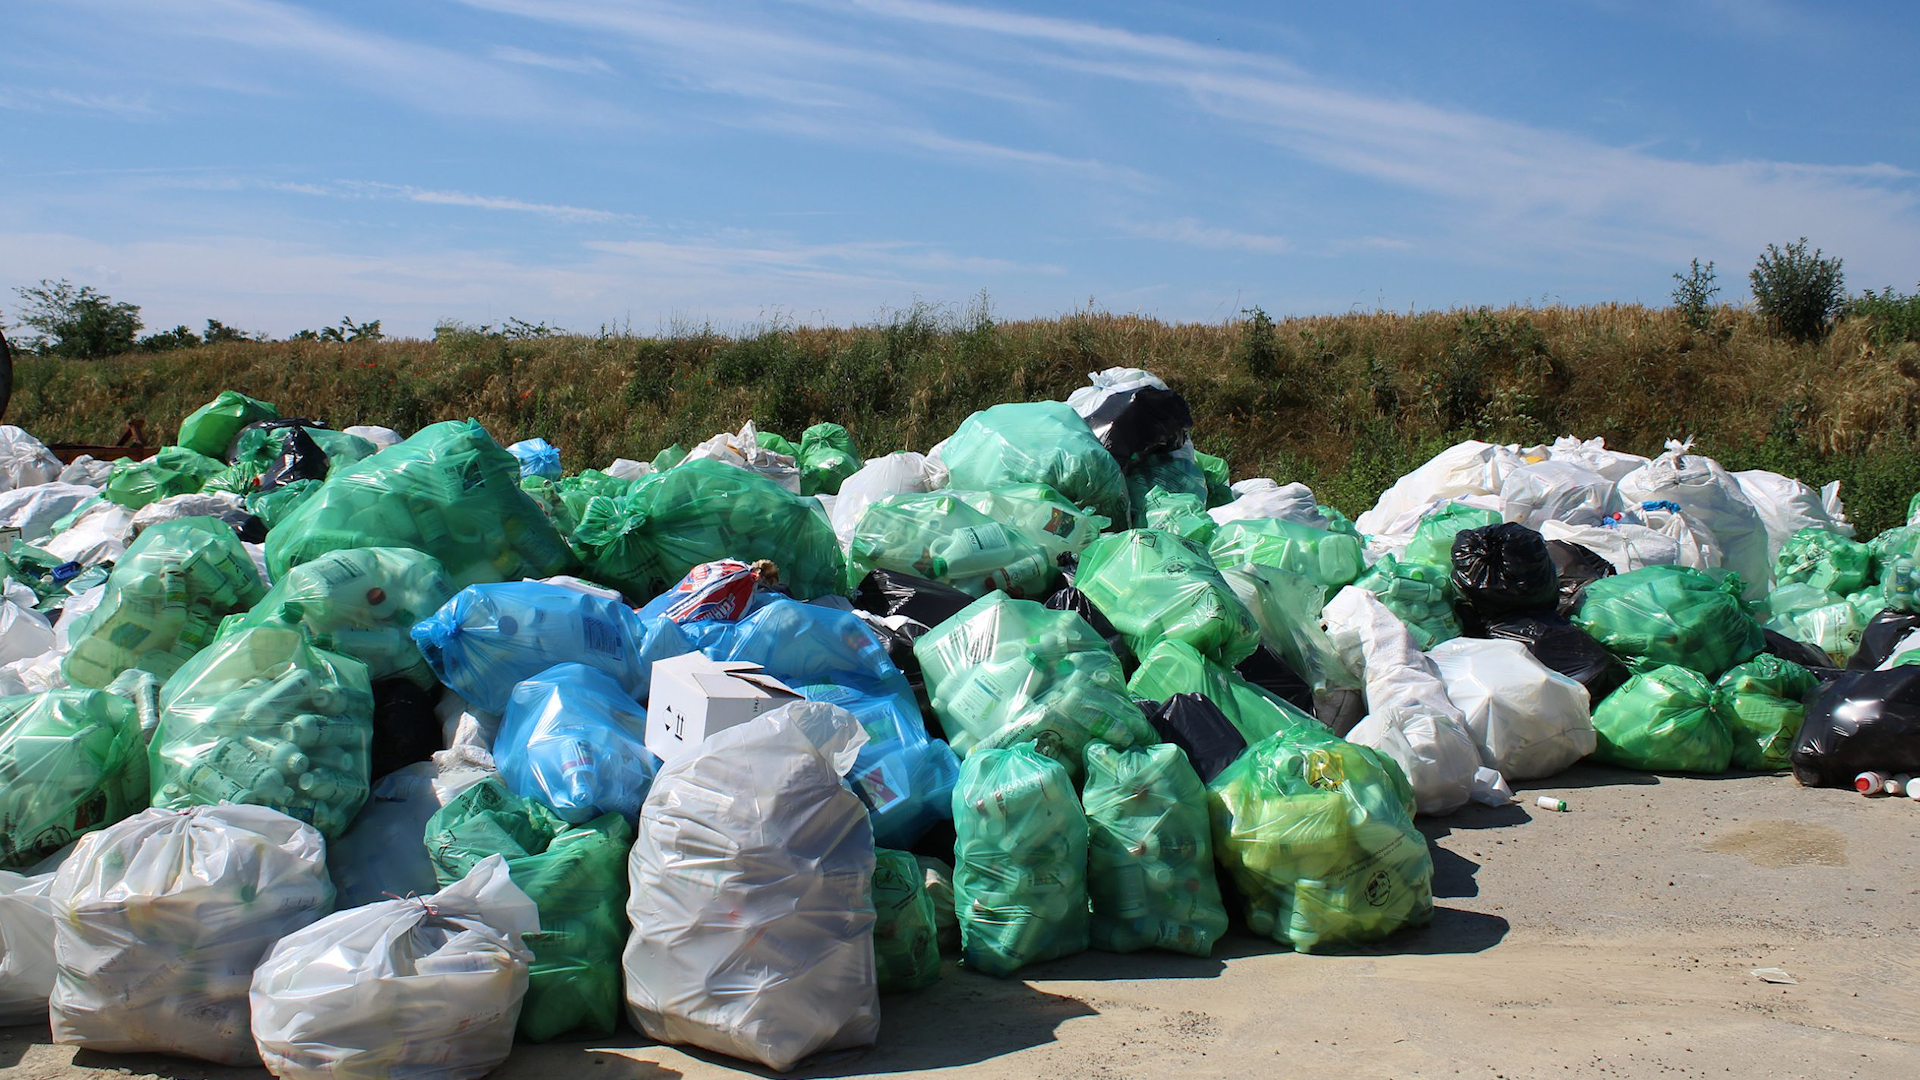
x=692 y=697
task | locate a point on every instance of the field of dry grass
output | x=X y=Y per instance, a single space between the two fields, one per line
x=1345 y=403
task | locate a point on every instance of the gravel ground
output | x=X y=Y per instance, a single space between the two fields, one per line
x=1616 y=940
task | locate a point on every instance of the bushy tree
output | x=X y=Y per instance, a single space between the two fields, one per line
x=77 y=322
x=1799 y=293
x=1693 y=294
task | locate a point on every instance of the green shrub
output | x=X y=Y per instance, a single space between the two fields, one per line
x=1798 y=293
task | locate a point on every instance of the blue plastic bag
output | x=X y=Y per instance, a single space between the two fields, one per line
x=490 y=637
x=574 y=739
x=537 y=457
x=905 y=777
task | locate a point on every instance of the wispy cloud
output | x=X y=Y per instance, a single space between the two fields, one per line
x=382 y=190
x=1191 y=233
x=579 y=65
x=54 y=99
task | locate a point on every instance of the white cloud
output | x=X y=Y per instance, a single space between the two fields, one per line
x=579 y=65
x=1191 y=233
x=55 y=99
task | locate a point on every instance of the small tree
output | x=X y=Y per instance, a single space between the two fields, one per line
x=177 y=338
x=1693 y=295
x=77 y=323
x=218 y=332
x=1798 y=293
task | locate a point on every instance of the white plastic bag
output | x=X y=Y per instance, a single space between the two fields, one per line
x=466 y=727
x=33 y=510
x=26 y=946
x=1594 y=456
x=1528 y=721
x=381 y=853
x=162 y=919
x=628 y=469
x=1265 y=498
x=1465 y=469
x=1786 y=506
x=1711 y=499
x=1628 y=547
x=86 y=469
x=752 y=923
x=742 y=450
x=880 y=478
x=99 y=535
x=24 y=460
x=24 y=632
x=422 y=987
x=1555 y=491
x=380 y=437
x=1409 y=716
x=1104 y=384
x=224 y=505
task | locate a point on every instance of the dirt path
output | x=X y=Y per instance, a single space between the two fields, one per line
x=1613 y=941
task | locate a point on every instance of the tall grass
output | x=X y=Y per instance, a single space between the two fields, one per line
x=1344 y=403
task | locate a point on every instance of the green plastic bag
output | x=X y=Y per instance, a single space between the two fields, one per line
x=71 y=761
x=1662 y=720
x=264 y=718
x=1042 y=442
x=1671 y=615
x=359 y=602
x=575 y=874
x=1042 y=513
x=578 y=490
x=906 y=945
x=260 y=447
x=1154 y=585
x=1418 y=594
x=1317 y=835
x=937 y=536
x=1825 y=560
x=1150 y=852
x=826 y=458
x=1889 y=545
x=669 y=457
x=774 y=441
x=1821 y=619
x=449 y=490
x=938 y=877
x=1002 y=672
x=164 y=601
x=1432 y=542
x=1868 y=602
x=1180 y=475
x=1219 y=480
x=276 y=506
x=1287 y=609
x=239 y=478
x=173 y=471
x=1020 y=861
x=546 y=495
x=1179 y=513
x=1330 y=559
x=645 y=541
x=1175 y=667
x=1762 y=703
x=210 y=428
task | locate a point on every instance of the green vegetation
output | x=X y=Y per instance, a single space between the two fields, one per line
x=1799 y=294
x=1343 y=403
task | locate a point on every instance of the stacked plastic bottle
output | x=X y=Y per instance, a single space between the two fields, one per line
x=1150 y=852
x=1020 y=869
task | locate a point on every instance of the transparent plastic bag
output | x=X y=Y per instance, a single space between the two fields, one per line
x=1416 y=592
x=1823 y=559
x=1042 y=514
x=1154 y=585
x=359 y=602
x=210 y=429
x=1671 y=615
x=1762 y=704
x=938 y=536
x=264 y=718
x=826 y=458
x=488 y=638
x=71 y=761
x=1329 y=559
x=1150 y=874
x=163 y=918
x=575 y=875
x=575 y=741
x=1287 y=608
x=777 y=885
x=1175 y=667
x=449 y=491
x=175 y=470
x=906 y=944
x=1661 y=720
x=1037 y=442
x=380 y=854
x=27 y=914
x=426 y=986
x=1020 y=861
x=1004 y=672
x=164 y=601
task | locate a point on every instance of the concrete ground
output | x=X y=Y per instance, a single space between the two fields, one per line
x=1616 y=940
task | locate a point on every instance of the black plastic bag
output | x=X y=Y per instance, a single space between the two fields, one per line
x=1578 y=567
x=1072 y=599
x=1883 y=632
x=1504 y=569
x=889 y=592
x=404 y=727
x=249 y=529
x=1799 y=652
x=1266 y=670
x=1196 y=725
x=300 y=459
x=1143 y=421
x=1864 y=720
x=1561 y=646
x=233 y=448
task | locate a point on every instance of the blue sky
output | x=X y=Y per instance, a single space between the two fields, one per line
x=584 y=162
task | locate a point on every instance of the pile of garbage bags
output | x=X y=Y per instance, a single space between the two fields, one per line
x=356 y=753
